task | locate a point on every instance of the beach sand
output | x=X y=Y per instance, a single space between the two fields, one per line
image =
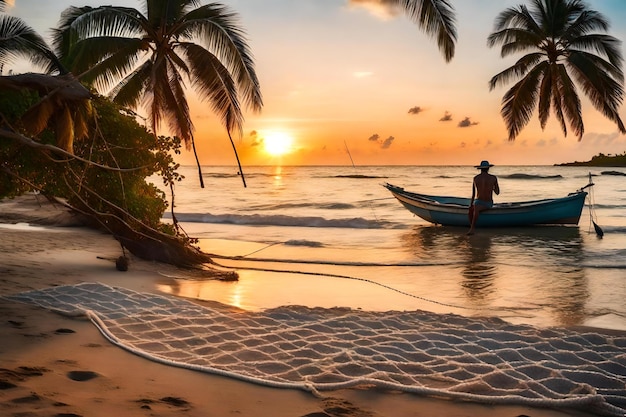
x=52 y=365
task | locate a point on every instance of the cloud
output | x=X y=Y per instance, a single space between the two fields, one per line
x=446 y=117
x=601 y=139
x=387 y=142
x=382 y=9
x=384 y=144
x=466 y=123
x=416 y=110
x=254 y=136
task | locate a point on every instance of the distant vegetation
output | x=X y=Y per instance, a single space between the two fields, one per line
x=601 y=160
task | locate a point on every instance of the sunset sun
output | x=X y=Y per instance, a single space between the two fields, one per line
x=277 y=143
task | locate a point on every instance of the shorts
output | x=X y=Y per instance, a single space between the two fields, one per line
x=488 y=204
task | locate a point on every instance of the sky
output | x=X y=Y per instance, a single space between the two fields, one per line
x=351 y=82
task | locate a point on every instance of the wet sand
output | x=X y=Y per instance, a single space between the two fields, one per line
x=52 y=365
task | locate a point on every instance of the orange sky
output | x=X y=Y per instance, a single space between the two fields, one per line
x=337 y=76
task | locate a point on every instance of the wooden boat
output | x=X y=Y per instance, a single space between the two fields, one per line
x=453 y=211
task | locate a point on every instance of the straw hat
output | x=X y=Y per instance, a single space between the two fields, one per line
x=484 y=165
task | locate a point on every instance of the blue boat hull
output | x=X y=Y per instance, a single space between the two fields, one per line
x=453 y=211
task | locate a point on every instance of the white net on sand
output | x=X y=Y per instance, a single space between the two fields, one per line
x=315 y=349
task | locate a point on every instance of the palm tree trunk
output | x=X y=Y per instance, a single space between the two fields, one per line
x=195 y=153
x=237 y=157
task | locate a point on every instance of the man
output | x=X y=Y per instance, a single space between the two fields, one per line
x=483 y=187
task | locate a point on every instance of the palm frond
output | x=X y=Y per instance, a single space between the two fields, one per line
x=216 y=27
x=20 y=40
x=570 y=103
x=546 y=90
x=128 y=92
x=519 y=18
x=82 y=115
x=107 y=21
x=36 y=118
x=521 y=42
x=170 y=12
x=519 y=102
x=177 y=114
x=215 y=84
x=605 y=93
x=156 y=99
x=62 y=34
x=103 y=61
x=64 y=129
x=587 y=20
x=436 y=18
x=605 y=45
x=177 y=61
x=557 y=106
x=519 y=69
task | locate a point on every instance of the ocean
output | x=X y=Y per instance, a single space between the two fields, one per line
x=333 y=236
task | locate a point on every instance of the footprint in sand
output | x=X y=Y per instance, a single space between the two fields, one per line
x=173 y=401
x=6 y=385
x=27 y=400
x=81 y=376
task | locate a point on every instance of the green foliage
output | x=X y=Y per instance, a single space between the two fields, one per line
x=602 y=160
x=116 y=141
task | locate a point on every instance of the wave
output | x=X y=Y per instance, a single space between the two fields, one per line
x=521 y=176
x=303 y=242
x=605 y=266
x=219 y=175
x=446 y=177
x=323 y=206
x=618 y=173
x=282 y=220
x=609 y=206
x=358 y=176
x=235 y=174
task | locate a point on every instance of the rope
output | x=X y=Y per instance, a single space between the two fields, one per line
x=348 y=277
x=333 y=263
x=366 y=280
x=592 y=213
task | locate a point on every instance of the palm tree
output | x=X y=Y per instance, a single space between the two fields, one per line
x=564 y=51
x=146 y=58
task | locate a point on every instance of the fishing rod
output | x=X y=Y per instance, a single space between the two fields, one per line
x=354 y=167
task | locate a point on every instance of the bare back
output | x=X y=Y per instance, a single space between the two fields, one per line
x=485 y=185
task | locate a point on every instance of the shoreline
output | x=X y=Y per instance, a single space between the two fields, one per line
x=46 y=359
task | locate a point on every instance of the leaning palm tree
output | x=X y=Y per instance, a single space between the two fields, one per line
x=146 y=59
x=567 y=46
